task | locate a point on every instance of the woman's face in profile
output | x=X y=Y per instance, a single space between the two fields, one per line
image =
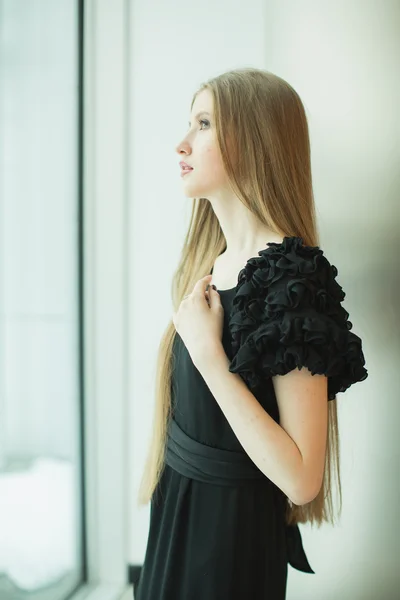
x=199 y=149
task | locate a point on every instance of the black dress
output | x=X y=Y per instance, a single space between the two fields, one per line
x=219 y=538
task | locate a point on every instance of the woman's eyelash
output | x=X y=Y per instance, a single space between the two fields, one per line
x=201 y=121
x=204 y=121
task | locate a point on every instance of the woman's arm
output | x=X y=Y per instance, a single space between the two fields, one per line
x=292 y=453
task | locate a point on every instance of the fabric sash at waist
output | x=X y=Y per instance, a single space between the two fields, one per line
x=225 y=467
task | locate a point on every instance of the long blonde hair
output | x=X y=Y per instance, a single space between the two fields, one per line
x=262 y=132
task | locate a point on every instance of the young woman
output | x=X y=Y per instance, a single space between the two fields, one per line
x=245 y=428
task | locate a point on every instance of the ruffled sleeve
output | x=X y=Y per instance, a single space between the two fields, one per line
x=287 y=313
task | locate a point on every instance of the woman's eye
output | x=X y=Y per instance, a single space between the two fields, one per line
x=201 y=121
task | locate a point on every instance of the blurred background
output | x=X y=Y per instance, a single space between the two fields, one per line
x=94 y=97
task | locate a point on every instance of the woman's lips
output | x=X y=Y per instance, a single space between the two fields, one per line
x=185 y=172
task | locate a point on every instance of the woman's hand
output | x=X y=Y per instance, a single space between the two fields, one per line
x=199 y=324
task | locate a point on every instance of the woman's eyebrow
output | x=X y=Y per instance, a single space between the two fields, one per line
x=203 y=112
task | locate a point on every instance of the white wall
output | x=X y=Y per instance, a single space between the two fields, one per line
x=342 y=58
